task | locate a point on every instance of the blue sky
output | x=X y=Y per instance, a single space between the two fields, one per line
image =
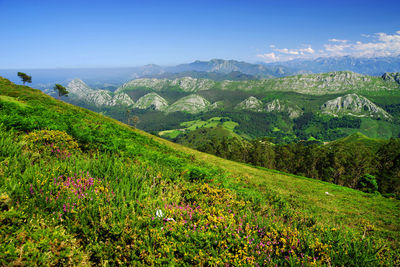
x=58 y=33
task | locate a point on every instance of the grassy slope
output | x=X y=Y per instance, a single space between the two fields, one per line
x=362 y=140
x=343 y=208
x=346 y=208
x=376 y=129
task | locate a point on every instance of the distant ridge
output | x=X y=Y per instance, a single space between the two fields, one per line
x=370 y=66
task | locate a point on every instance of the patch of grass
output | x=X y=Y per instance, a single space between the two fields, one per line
x=189 y=126
x=170 y=133
x=230 y=125
x=13 y=100
x=376 y=129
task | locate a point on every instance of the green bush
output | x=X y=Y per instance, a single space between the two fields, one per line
x=368 y=184
x=199 y=175
x=51 y=143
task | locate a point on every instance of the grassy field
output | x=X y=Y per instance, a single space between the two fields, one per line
x=343 y=207
x=189 y=126
x=78 y=188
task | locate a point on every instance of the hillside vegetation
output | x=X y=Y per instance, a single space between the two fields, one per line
x=356 y=161
x=78 y=188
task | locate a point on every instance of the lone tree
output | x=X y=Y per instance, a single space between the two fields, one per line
x=132 y=120
x=24 y=77
x=61 y=90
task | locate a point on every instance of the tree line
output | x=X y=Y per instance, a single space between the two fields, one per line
x=348 y=164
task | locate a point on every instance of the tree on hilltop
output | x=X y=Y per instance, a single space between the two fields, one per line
x=24 y=77
x=61 y=90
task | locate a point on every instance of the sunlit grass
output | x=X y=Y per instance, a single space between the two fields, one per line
x=122 y=196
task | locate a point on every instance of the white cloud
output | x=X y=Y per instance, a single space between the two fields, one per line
x=269 y=57
x=337 y=40
x=301 y=51
x=377 y=45
x=287 y=51
x=382 y=45
x=336 y=49
x=308 y=50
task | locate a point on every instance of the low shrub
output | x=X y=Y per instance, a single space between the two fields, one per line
x=51 y=143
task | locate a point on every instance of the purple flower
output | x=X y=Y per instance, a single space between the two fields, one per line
x=31 y=189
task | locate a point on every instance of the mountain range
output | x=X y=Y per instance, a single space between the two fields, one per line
x=278 y=107
x=370 y=66
x=214 y=69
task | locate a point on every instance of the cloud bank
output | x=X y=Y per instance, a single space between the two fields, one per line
x=378 y=45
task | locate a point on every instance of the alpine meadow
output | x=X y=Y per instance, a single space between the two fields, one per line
x=199 y=133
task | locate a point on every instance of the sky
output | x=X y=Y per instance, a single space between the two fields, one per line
x=116 y=33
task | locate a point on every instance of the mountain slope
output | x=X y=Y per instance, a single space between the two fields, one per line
x=143 y=195
x=285 y=107
x=191 y=104
x=251 y=103
x=313 y=84
x=186 y=84
x=151 y=101
x=215 y=76
x=79 y=90
x=318 y=84
x=228 y=66
x=353 y=105
x=361 y=140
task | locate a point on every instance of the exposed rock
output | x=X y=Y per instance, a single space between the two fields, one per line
x=251 y=103
x=79 y=90
x=151 y=101
x=392 y=76
x=353 y=105
x=285 y=106
x=189 y=84
x=121 y=99
x=191 y=104
x=186 y=84
x=315 y=84
x=218 y=104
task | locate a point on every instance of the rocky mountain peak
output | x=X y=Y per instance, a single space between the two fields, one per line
x=151 y=101
x=284 y=106
x=391 y=76
x=251 y=103
x=77 y=86
x=186 y=84
x=191 y=104
x=80 y=90
x=353 y=105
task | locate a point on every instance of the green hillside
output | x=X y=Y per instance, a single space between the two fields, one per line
x=360 y=139
x=79 y=188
